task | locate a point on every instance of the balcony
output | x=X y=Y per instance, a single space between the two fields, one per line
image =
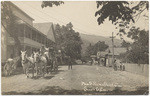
x=30 y=42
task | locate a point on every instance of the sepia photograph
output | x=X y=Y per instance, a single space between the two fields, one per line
x=75 y=47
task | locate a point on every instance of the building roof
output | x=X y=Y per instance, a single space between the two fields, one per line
x=93 y=56
x=12 y=4
x=46 y=28
x=103 y=54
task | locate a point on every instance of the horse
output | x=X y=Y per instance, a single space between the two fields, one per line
x=10 y=65
x=40 y=63
x=52 y=60
x=49 y=64
x=27 y=63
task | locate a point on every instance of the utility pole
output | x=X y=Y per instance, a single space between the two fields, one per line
x=98 y=45
x=112 y=48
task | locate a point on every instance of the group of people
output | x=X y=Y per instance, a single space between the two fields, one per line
x=118 y=65
x=98 y=61
x=46 y=60
x=43 y=57
x=59 y=55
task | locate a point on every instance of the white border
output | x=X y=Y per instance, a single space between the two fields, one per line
x=79 y=0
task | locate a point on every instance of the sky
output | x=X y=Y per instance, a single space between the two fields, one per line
x=80 y=13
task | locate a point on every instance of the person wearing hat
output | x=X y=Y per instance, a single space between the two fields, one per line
x=42 y=50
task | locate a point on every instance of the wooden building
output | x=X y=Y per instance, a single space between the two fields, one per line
x=31 y=38
x=117 y=52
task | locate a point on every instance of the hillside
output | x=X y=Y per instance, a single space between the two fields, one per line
x=87 y=39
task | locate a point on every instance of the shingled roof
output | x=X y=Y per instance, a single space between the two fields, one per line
x=46 y=28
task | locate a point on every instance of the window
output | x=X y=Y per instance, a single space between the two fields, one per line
x=28 y=32
x=39 y=38
x=20 y=30
x=43 y=39
x=33 y=35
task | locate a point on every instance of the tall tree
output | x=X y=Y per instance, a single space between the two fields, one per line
x=93 y=49
x=121 y=13
x=89 y=51
x=51 y=3
x=69 y=40
x=138 y=52
x=125 y=44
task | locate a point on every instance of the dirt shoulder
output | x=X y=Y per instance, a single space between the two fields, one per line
x=82 y=79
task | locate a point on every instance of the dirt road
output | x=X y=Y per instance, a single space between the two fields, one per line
x=84 y=78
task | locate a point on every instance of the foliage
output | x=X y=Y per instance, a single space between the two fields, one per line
x=69 y=40
x=9 y=22
x=100 y=46
x=119 y=10
x=93 y=49
x=121 y=13
x=114 y=10
x=51 y=3
x=89 y=50
x=125 y=44
x=138 y=52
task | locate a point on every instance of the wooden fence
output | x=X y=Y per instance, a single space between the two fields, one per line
x=141 y=69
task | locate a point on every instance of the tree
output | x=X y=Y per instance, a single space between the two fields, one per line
x=93 y=49
x=101 y=46
x=120 y=10
x=141 y=39
x=59 y=37
x=89 y=51
x=69 y=40
x=138 y=52
x=9 y=22
x=121 y=13
x=114 y=10
x=51 y=3
x=125 y=44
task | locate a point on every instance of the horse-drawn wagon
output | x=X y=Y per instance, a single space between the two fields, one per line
x=39 y=63
x=36 y=63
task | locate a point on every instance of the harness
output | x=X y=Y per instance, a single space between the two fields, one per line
x=40 y=60
x=27 y=61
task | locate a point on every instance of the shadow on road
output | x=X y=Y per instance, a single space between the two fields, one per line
x=57 y=72
x=47 y=76
x=17 y=71
x=55 y=90
x=38 y=77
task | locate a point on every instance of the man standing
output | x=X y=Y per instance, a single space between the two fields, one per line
x=69 y=62
x=42 y=50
